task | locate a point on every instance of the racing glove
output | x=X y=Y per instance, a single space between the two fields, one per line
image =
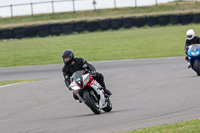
x=93 y=73
x=186 y=58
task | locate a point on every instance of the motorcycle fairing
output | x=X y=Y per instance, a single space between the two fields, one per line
x=96 y=86
x=87 y=80
x=75 y=87
x=194 y=51
x=193 y=54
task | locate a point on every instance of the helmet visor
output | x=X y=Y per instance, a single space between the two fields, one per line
x=189 y=36
x=66 y=58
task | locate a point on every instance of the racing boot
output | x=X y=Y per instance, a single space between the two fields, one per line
x=100 y=80
x=188 y=65
x=107 y=92
x=187 y=59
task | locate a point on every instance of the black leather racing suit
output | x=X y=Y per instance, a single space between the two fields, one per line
x=78 y=65
x=195 y=40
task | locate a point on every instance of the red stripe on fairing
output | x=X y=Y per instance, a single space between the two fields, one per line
x=91 y=82
x=103 y=91
x=70 y=88
x=76 y=92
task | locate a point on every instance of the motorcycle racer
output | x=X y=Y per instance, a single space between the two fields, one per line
x=72 y=65
x=191 y=39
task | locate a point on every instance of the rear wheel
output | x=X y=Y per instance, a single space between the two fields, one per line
x=91 y=102
x=196 y=66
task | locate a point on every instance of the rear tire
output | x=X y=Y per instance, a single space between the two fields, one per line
x=196 y=65
x=89 y=101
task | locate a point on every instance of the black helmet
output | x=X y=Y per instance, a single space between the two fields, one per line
x=68 y=53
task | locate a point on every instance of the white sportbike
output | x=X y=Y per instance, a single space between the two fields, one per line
x=90 y=92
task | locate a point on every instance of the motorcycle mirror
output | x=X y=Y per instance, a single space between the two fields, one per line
x=84 y=66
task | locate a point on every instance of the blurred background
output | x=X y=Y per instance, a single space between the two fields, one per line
x=13 y=8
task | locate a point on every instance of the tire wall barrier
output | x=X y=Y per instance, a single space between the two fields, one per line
x=67 y=28
x=128 y=22
x=186 y=19
x=43 y=30
x=7 y=34
x=196 y=18
x=139 y=22
x=55 y=29
x=91 y=26
x=151 y=21
x=104 y=24
x=174 y=19
x=19 y=32
x=79 y=26
x=163 y=20
x=31 y=31
x=116 y=23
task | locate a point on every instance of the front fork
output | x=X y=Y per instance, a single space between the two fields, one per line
x=191 y=63
x=91 y=93
x=80 y=98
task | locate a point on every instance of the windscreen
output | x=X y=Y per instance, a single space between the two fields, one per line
x=195 y=47
x=78 y=75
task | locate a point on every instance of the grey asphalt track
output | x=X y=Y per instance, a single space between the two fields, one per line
x=146 y=92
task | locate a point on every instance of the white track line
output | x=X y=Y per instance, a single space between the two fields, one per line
x=8 y=85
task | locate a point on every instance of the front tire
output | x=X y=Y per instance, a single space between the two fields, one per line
x=108 y=108
x=89 y=101
x=196 y=66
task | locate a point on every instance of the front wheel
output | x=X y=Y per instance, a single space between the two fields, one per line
x=108 y=108
x=196 y=66
x=91 y=102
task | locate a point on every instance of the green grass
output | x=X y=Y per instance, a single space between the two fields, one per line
x=134 y=43
x=183 y=127
x=169 y=8
x=17 y=81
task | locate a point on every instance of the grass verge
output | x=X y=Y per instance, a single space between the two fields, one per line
x=183 y=127
x=167 y=41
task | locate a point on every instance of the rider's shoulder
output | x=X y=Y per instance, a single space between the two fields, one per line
x=79 y=59
x=197 y=37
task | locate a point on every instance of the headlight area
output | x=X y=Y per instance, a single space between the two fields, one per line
x=87 y=79
x=195 y=53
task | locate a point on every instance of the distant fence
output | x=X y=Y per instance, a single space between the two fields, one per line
x=71 y=5
x=106 y=24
